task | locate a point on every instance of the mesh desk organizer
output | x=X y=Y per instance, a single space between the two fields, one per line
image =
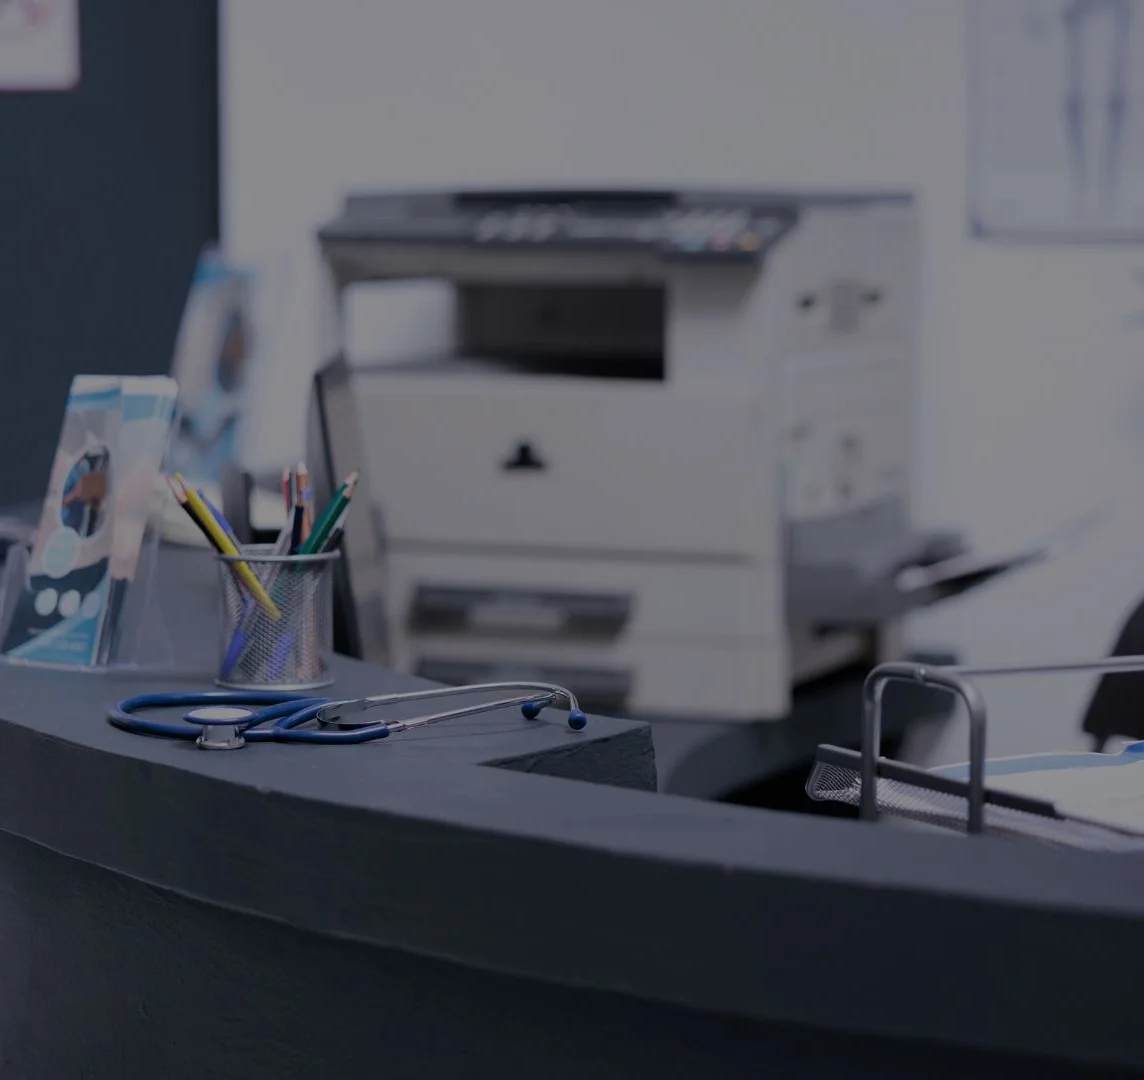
x=290 y=652
x=941 y=798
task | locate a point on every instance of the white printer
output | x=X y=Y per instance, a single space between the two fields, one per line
x=667 y=460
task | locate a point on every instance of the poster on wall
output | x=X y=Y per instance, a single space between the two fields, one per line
x=1056 y=119
x=39 y=45
x=213 y=366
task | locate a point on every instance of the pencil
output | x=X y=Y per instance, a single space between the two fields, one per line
x=226 y=547
x=217 y=514
x=295 y=517
x=180 y=494
x=335 y=535
x=181 y=498
x=240 y=639
x=306 y=498
x=330 y=515
x=310 y=658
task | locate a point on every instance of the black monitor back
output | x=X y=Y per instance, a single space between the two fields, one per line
x=334 y=449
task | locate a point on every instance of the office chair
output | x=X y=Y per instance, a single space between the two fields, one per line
x=1117 y=705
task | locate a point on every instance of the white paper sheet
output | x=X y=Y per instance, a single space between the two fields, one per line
x=1111 y=795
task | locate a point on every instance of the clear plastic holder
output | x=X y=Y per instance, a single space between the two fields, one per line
x=136 y=638
x=133 y=640
x=282 y=637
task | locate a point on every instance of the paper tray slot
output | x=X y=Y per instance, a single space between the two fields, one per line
x=517 y=612
x=839 y=597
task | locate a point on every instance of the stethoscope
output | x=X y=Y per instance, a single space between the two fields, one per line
x=228 y=719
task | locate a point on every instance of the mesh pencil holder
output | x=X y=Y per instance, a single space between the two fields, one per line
x=275 y=619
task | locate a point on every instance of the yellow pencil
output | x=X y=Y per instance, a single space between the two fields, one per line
x=226 y=546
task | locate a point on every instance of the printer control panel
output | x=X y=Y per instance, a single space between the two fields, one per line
x=726 y=231
x=706 y=225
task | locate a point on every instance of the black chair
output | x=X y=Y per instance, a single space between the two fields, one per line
x=1117 y=705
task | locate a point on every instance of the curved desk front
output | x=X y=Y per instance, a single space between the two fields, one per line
x=505 y=898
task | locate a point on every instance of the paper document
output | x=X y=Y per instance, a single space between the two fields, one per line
x=964 y=571
x=1107 y=789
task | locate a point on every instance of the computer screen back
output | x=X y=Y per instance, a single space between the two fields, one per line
x=334 y=450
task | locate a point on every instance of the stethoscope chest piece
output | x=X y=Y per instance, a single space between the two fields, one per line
x=221 y=726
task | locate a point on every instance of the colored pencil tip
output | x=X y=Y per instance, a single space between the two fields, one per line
x=177 y=489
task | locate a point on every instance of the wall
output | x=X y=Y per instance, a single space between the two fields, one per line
x=107 y=193
x=1031 y=406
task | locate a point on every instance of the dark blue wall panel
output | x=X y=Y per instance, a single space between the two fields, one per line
x=107 y=193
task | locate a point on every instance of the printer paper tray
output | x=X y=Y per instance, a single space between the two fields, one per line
x=841 y=598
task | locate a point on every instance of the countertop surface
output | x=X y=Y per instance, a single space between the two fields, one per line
x=563 y=864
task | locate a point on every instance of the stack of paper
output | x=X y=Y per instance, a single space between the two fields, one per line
x=1107 y=789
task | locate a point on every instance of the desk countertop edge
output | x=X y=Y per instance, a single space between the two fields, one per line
x=713 y=907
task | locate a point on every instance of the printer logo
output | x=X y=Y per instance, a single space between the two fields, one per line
x=524 y=458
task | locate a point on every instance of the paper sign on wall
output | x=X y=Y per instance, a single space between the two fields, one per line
x=1055 y=133
x=39 y=44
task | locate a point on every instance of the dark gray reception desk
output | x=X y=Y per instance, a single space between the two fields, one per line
x=504 y=898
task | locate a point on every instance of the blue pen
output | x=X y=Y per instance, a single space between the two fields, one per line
x=282 y=653
x=238 y=640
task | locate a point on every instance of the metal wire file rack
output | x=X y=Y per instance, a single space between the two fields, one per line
x=877 y=785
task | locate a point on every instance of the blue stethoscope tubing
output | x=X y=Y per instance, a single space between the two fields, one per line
x=284 y=712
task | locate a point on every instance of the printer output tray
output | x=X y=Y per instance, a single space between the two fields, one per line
x=841 y=596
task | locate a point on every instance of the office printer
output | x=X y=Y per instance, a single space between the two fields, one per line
x=666 y=461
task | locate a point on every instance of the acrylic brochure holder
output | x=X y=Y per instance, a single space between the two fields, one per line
x=134 y=636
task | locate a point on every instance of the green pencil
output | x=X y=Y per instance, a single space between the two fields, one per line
x=315 y=542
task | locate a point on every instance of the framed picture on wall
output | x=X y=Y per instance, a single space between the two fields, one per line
x=1056 y=119
x=39 y=45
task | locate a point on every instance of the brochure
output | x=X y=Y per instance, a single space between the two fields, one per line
x=59 y=614
x=86 y=549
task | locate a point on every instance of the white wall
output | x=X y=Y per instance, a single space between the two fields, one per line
x=1032 y=400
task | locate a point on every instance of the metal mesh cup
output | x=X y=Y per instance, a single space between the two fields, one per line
x=279 y=636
